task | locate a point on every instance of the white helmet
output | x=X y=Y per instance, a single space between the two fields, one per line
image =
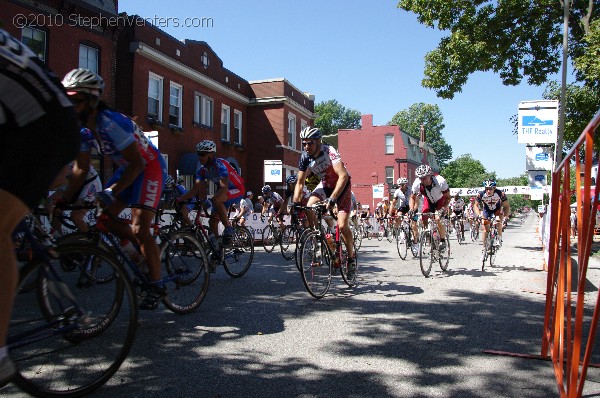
x=83 y=81
x=206 y=146
x=401 y=181
x=310 y=133
x=423 y=170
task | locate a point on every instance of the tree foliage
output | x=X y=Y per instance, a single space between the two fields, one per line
x=333 y=116
x=430 y=116
x=517 y=39
x=464 y=172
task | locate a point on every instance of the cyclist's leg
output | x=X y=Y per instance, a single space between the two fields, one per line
x=141 y=220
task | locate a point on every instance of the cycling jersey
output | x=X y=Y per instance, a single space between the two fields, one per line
x=492 y=204
x=457 y=205
x=470 y=210
x=322 y=165
x=289 y=193
x=170 y=195
x=312 y=181
x=433 y=195
x=274 y=199
x=245 y=207
x=220 y=168
x=91 y=186
x=401 y=199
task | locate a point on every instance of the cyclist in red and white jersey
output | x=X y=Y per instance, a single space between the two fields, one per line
x=40 y=135
x=436 y=195
x=138 y=182
x=273 y=205
x=324 y=161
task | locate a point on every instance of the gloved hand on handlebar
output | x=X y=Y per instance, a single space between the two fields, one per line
x=105 y=198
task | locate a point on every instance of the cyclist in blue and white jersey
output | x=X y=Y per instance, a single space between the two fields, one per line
x=40 y=135
x=245 y=209
x=175 y=190
x=324 y=161
x=435 y=193
x=492 y=203
x=137 y=183
x=229 y=186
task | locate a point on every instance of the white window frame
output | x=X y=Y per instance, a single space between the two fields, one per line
x=388 y=179
x=389 y=144
x=291 y=131
x=237 y=127
x=204 y=110
x=33 y=31
x=87 y=50
x=159 y=80
x=225 y=123
x=178 y=105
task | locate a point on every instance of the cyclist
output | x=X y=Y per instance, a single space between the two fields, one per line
x=492 y=203
x=324 y=161
x=289 y=193
x=86 y=195
x=399 y=204
x=39 y=137
x=354 y=211
x=470 y=212
x=457 y=205
x=172 y=192
x=436 y=195
x=138 y=182
x=273 y=205
x=229 y=187
x=245 y=209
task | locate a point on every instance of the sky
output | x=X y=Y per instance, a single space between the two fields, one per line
x=367 y=55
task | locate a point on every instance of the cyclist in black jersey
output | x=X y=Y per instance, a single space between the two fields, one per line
x=40 y=135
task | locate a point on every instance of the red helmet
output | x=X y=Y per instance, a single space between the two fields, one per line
x=472 y=199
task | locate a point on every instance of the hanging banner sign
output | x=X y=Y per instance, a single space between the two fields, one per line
x=378 y=191
x=538 y=158
x=273 y=171
x=538 y=122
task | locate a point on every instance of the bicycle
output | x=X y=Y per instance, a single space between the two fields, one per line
x=319 y=256
x=69 y=318
x=429 y=248
x=491 y=245
x=458 y=225
x=271 y=234
x=236 y=257
x=405 y=239
x=290 y=237
x=476 y=225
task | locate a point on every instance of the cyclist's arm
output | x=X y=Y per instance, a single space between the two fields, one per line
x=299 y=189
x=134 y=168
x=342 y=180
x=81 y=167
x=412 y=202
x=194 y=190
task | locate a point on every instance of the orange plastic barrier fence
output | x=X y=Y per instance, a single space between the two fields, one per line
x=566 y=337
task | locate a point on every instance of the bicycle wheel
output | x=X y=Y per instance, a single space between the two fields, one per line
x=389 y=233
x=85 y=331
x=368 y=233
x=486 y=248
x=493 y=249
x=269 y=240
x=359 y=237
x=402 y=243
x=184 y=267
x=301 y=239
x=316 y=264
x=380 y=233
x=239 y=254
x=344 y=266
x=425 y=255
x=288 y=242
x=444 y=256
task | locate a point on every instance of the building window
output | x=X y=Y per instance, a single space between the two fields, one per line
x=389 y=144
x=203 y=110
x=35 y=39
x=175 y=105
x=155 y=95
x=204 y=60
x=225 y=123
x=88 y=58
x=303 y=124
x=291 y=131
x=237 y=127
x=389 y=175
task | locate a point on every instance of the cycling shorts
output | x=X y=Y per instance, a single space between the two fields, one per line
x=146 y=189
x=87 y=192
x=32 y=155
x=488 y=214
x=344 y=201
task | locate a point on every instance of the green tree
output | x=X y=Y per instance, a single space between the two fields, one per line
x=430 y=116
x=517 y=39
x=465 y=172
x=332 y=116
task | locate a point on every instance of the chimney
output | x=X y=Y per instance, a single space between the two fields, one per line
x=367 y=122
x=422 y=133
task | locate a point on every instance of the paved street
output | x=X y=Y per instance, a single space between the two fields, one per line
x=397 y=334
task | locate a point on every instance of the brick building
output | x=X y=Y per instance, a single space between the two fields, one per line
x=380 y=155
x=178 y=89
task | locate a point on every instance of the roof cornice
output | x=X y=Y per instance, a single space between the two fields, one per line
x=158 y=57
x=281 y=99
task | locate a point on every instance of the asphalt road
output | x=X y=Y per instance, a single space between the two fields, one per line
x=397 y=334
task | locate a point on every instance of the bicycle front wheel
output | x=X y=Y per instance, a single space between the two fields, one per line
x=239 y=254
x=359 y=237
x=444 y=256
x=402 y=243
x=350 y=280
x=269 y=240
x=71 y=334
x=493 y=250
x=301 y=239
x=425 y=255
x=486 y=251
x=316 y=264
x=184 y=268
x=288 y=242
